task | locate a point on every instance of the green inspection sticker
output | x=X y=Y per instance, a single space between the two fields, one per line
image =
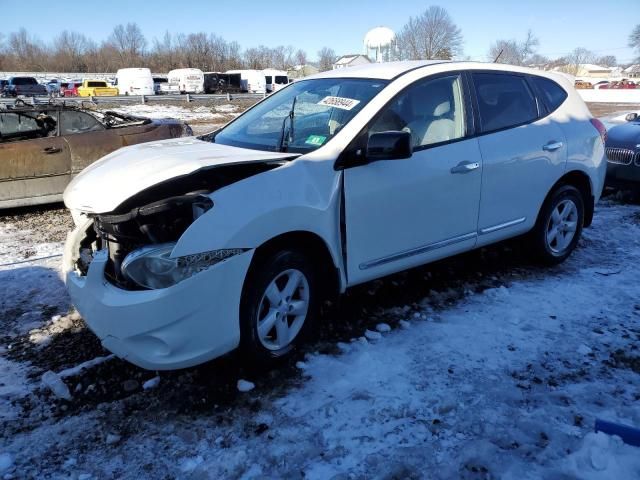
x=315 y=140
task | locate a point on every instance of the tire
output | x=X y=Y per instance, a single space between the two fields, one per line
x=559 y=226
x=286 y=320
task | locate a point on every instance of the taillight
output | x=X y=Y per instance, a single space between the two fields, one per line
x=602 y=130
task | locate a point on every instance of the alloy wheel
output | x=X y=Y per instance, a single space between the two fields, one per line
x=283 y=309
x=562 y=226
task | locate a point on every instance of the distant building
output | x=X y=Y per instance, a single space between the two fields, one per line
x=590 y=71
x=351 y=61
x=301 y=71
x=632 y=72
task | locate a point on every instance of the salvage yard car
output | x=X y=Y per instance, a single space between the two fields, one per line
x=26 y=86
x=188 y=249
x=623 y=154
x=96 y=88
x=43 y=147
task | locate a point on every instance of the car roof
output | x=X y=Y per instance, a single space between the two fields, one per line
x=391 y=70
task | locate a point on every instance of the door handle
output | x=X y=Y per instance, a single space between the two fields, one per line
x=52 y=150
x=552 y=146
x=465 y=167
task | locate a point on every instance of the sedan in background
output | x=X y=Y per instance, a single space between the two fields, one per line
x=43 y=147
x=623 y=154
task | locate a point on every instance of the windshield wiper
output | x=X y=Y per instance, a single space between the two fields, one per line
x=289 y=133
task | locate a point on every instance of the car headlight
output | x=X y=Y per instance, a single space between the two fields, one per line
x=152 y=267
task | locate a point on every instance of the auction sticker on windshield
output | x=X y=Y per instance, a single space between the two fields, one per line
x=316 y=140
x=339 y=102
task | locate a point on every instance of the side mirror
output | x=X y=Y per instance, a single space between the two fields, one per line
x=631 y=117
x=392 y=145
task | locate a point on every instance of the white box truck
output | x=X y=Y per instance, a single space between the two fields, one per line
x=134 y=81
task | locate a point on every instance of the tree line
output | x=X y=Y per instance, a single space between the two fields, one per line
x=430 y=35
x=126 y=46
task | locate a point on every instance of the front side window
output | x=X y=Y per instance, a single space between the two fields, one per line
x=301 y=117
x=26 y=125
x=504 y=101
x=72 y=122
x=432 y=110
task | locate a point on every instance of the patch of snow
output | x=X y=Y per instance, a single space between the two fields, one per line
x=6 y=462
x=383 y=327
x=603 y=457
x=155 y=111
x=151 y=383
x=68 y=372
x=53 y=381
x=245 y=386
x=371 y=335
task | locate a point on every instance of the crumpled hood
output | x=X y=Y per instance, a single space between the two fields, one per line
x=105 y=184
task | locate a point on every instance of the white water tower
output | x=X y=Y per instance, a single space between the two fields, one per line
x=380 y=44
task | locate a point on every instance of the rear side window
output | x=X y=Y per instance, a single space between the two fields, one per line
x=553 y=94
x=78 y=122
x=504 y=101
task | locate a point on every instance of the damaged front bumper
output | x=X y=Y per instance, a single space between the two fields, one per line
x=176 y=327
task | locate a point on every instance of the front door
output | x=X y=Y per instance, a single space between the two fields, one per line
x=402 y=213
x=33 y=168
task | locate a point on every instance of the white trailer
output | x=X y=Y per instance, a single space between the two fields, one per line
x=251 y=81
x=184 y=80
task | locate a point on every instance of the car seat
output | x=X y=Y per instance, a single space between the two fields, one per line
x=433 y=116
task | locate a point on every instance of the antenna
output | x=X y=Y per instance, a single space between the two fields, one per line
x=496 y=59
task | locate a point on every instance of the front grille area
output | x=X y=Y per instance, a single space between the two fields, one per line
x=622 y=156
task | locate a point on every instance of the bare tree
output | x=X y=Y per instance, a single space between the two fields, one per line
x=606 y=61
x=69 y=51
x=326 y=57
x=512 y=51
x=432 y=35
x=301 y=57
x=129 y=42
x=576 y=59
x=26 y=52
x=537 y=59
x=634 y=40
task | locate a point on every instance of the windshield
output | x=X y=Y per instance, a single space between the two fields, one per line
x=25 y=81
x=301 y=117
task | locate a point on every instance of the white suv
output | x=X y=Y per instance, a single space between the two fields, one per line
x=186 y=249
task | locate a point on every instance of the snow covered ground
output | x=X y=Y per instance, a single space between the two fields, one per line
x=197 y=113
x=494 y=372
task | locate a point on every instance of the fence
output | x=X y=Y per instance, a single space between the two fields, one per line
x=40 y=100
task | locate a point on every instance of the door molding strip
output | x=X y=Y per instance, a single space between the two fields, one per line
x=500 y=226
x=417 y=251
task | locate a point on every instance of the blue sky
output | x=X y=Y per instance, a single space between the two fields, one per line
x=561 y=25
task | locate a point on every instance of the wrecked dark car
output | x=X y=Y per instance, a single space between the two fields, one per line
x=43 y=147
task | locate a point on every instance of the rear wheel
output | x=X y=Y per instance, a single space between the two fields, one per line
x=280 y=303
x=559 y=225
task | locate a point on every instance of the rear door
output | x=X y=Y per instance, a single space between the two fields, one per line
x=34 y=168
x=523 y=152
x=402 y=213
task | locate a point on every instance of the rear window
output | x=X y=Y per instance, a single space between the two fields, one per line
x=267 y=78
x=552 y=93
x=96 y=84
x=504 y=101
x=25 y=81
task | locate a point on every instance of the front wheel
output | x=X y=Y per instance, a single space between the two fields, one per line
x=559 y=225
x=280 y=302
